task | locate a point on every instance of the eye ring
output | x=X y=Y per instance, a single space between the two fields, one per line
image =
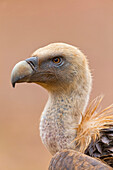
x=56 y=60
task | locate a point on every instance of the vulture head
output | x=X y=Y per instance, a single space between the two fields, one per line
x=56 y=67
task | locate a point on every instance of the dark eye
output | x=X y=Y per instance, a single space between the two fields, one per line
x=56 y=60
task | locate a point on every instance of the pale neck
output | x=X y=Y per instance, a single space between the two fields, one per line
x=61 y=117
x=73 y=103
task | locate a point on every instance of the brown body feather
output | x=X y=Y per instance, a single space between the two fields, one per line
x=102 y=148
x=72 y=160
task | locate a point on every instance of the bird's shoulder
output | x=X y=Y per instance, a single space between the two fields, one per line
x=70 y=159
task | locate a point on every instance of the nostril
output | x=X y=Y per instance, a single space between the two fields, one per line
x=33 y=62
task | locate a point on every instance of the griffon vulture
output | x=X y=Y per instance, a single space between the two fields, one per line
x=69 y=128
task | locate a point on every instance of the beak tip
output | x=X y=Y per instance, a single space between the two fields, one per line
x=13 y=84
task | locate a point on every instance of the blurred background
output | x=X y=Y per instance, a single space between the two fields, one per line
x=26 y=25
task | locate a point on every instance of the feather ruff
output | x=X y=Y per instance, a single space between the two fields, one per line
x=92 y=123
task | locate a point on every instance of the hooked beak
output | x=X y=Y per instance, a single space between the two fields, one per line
x=24 y=71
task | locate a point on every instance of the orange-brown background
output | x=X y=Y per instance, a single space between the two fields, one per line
x=26 y=25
